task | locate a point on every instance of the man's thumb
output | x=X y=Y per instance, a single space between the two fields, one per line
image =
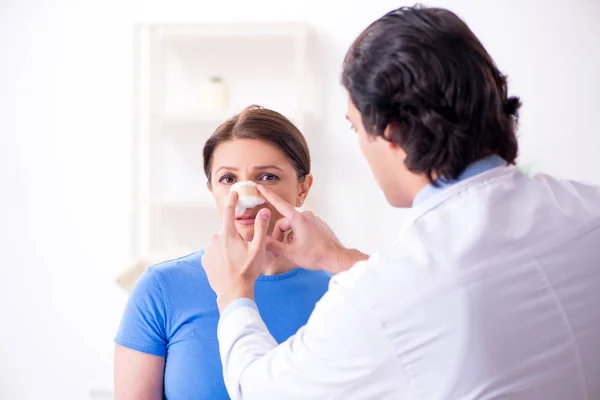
x=261 y=226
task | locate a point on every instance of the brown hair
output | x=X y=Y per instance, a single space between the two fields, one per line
x=256 y=122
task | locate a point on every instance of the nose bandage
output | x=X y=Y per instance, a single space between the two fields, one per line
x=248 y=195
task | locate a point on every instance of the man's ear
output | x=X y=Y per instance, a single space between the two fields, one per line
x=389 y=132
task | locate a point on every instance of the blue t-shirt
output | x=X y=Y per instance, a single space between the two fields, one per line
x=172 y=312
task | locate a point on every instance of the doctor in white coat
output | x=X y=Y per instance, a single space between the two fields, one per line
x=492 y=287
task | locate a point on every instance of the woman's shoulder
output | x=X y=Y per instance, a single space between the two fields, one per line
x=191 y=260
x=178 y=271
x=174 y=284
x=317 y=274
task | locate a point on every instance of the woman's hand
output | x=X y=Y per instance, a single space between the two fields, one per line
x=306 y=240
x=231 y=264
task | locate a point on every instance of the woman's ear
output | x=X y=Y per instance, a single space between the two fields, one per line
x=304 y=187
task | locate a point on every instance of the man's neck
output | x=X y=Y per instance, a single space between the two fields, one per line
x=420 y=183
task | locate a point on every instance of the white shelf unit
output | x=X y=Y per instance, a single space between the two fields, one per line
x=265 y=64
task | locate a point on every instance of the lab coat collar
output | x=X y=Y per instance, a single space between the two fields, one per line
x=482 y=165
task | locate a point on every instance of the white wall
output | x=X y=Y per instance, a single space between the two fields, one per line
x=65 y=96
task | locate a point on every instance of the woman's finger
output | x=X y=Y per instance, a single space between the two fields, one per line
x=261 y=226
x=229 y=214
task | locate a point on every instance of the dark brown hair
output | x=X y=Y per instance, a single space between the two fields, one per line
x=256 y=122
x=424 y=72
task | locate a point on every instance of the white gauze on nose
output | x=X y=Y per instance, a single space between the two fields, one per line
x=248 y=195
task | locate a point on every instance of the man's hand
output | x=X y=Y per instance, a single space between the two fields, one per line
x=306 y=240
x=231 y=264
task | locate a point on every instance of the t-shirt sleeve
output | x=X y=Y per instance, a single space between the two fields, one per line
x=143 y=324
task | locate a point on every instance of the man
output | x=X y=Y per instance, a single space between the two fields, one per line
x=492 y=288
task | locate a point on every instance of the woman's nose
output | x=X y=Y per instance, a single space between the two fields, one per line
x=247 y=177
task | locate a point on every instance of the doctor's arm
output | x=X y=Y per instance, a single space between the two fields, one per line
x=307 y=240
x=334 y=354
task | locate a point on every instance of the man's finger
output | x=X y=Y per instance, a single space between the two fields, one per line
x=281 y=227
x=281 y=249
x=261 y=226
x=326 y=226
x=280 y=205
x=290 y=238
x=229 y=213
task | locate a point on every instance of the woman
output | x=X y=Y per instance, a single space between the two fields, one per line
x=167 y=340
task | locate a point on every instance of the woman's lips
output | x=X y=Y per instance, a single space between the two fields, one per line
x=246 y=218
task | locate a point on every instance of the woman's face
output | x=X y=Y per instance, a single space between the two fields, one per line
x=261 y=162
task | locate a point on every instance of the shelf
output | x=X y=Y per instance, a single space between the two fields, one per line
x=229 y=30
x=267 y=64
x=180 y=204
x=204 y=125
x=195 y=119
x=199 y=125
x=187 y=118
x=270 y=73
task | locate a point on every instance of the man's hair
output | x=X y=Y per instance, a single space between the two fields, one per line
x=426 y=75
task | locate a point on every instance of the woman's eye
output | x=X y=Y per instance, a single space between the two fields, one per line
x=227 y=179
x=268 y=177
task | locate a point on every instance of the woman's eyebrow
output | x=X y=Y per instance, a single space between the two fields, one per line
x=225 y=167
x=263 y=167
x=258 y=167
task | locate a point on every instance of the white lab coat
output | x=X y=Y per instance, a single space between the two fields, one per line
x=491 y=291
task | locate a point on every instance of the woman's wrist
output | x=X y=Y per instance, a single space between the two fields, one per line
x=244 y=290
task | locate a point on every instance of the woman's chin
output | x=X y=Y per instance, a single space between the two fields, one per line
x=246 y=232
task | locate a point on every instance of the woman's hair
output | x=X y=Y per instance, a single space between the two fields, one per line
x=422 y=71
x=256 y=122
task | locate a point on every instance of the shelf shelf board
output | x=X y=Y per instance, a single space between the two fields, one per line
x=195 y=118
x=202 y=126
x=188 y=117
x=204 y=123
x=191 y=203
x=242 y=30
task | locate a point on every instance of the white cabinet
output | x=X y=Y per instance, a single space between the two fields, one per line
x=177 y=107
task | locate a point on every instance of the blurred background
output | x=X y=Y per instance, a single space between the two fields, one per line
x=104 y=108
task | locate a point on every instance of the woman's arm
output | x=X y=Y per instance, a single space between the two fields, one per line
x=141 y=341
x=138 y=376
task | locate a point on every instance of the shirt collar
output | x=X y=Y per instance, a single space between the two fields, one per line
x=479 y=166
